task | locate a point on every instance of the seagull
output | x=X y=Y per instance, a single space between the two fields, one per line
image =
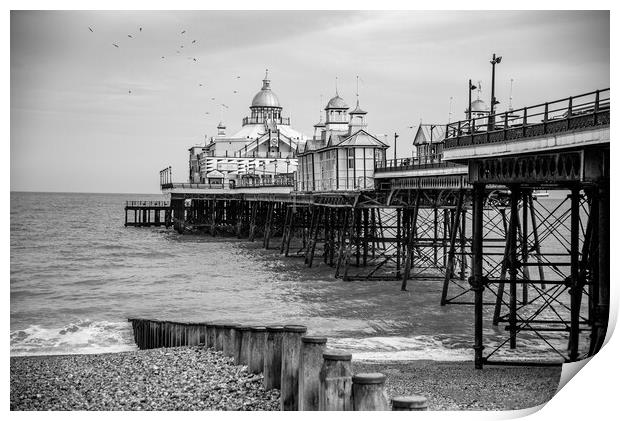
x=130 y=91
x=183 y=31
x=194 y=42
x=235 y=92
x=181 y=46
x=195 y=59
x=140 y=29
x=207 y=112
x=238 y=77
x=212 y=99
x=115 y=45
x=200 y=84
x=129 y=36
x=90 y=29
x=163 y=57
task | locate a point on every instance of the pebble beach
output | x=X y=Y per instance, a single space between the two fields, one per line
x=195 y=378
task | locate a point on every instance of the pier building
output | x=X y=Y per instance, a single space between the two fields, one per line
x=261 y=152
x=464 y=212
x=342 y=154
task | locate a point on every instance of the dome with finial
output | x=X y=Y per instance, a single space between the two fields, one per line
x=336 y=103
x=265 y=97
x=479 y=106
x=357 y=109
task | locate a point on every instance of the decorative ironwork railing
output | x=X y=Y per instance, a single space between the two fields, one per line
x=147 y=203
x=406 y=164
x=575 y=112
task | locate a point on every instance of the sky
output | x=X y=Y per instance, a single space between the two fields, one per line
x=76 y=127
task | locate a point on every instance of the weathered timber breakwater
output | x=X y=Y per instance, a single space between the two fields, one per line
x=310 y=377
x=202 y=378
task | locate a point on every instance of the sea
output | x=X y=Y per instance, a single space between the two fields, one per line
x=77 y=275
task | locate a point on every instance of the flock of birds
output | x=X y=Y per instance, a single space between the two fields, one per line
x=183 y=42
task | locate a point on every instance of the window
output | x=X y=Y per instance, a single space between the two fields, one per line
x=351 y=158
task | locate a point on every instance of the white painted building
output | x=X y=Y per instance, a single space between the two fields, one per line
x=342 y=154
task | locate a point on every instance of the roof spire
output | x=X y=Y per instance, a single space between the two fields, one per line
x=337 y=86
x=357 y=89
x=320 y=110
x=266 y=81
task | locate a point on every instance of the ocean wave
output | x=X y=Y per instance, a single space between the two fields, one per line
x=400 y=348
x=81 y=337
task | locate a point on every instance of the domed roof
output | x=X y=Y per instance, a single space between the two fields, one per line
x=265 y=97
x=336 y=102
x=479 y=106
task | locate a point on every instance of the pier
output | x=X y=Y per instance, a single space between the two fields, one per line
x=469 y=217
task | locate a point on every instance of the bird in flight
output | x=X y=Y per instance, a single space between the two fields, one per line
x=163 y=57
x=238 y=77
x=116 y=45
x=140 y=29
x=90 y=29
x=130 y=91
x=200 y=84
x=195 y=59
x=194 y=42
x=130 y=36
x=212 y=99
x=181 y=46
x=235 y=92
x=207 y=112
x=183 y=31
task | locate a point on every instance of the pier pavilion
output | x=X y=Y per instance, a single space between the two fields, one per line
x=261 y=152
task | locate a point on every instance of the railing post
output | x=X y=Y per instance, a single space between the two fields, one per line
x=569 y=112
x=546 y=117
x=524 y=121
x=472 y=129
x=596 y=106
x=506 y=126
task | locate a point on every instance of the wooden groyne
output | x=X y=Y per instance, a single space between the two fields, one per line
x=309 y=376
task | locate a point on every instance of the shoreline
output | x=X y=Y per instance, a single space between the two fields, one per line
x=194 y=378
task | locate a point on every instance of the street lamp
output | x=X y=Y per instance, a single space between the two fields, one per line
x=494 y=61
x=395 y=137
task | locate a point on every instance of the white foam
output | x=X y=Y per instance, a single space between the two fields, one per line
x=82 y=337
x=399 y=348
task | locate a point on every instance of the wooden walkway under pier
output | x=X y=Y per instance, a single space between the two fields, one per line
x=148 y=213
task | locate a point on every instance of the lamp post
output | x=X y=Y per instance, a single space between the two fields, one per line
x=494 y=61
x=395 y=137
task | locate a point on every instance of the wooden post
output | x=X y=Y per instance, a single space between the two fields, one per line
x=369 y=392
x=244 y=350
x=272 y=362
x=219 y=336
x=231 y=342
x=311 y=360
x=211 y=335
x=289 y=383
x=335 y=382
x=258 y=339
x=409 y=403
x=229 y=338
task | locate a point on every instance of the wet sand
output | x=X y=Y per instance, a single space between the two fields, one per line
x=192 y=378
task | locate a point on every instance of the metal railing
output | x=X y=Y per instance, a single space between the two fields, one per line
x=406 y=164
x=256 y=120
x=147 y=203
x=199 y=186
x=575 y=112
x=262 y=183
